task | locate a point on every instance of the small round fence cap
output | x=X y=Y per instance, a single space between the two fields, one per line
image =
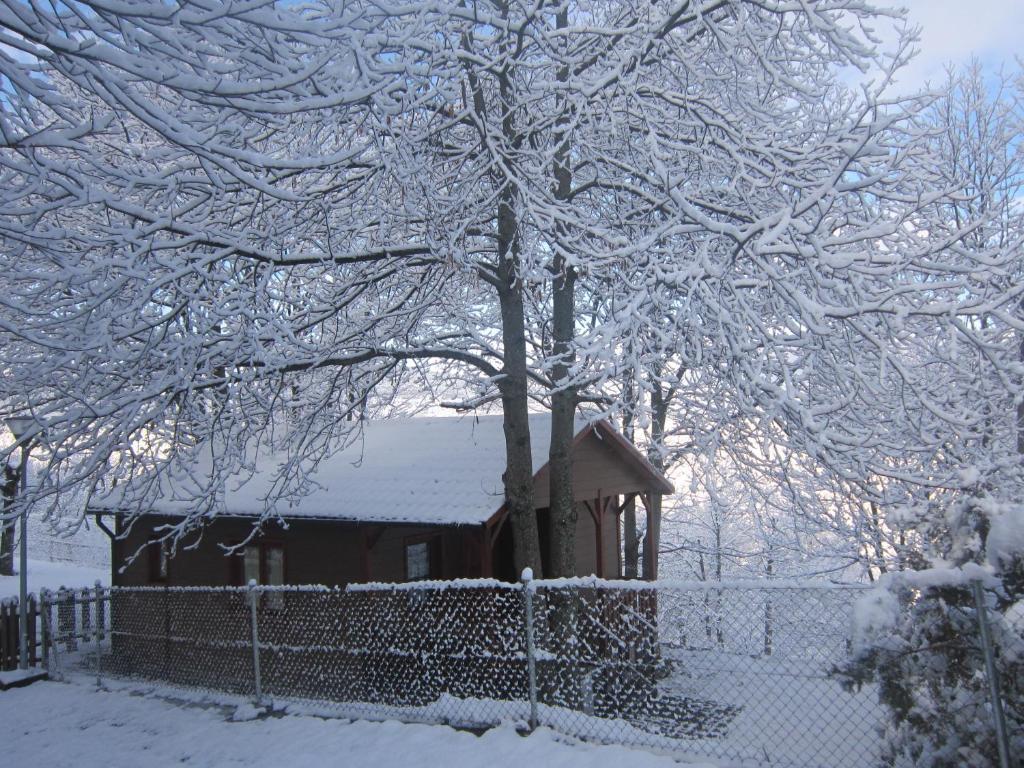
x=527 y=574
x=252 y=583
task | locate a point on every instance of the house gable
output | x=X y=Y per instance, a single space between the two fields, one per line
x=602 y=466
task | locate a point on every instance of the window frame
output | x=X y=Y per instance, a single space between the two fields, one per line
x=158 y=554
x=236 y=563
x=434 y=555
x=265 y=547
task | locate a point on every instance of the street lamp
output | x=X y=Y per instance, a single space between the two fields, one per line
x=25 y=430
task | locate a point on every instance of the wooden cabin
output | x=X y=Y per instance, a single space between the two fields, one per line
x=418 y=498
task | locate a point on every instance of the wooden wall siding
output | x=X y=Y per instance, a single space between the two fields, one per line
x=331 y=553
x=597 y=468
x=586 y=541
x=586 y=538
x=609 y=565
x=316 y=552
x=612 y=566
x=387 y=556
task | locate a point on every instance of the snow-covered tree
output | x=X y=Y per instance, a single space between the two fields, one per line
x=925 y=647
x=225 y=225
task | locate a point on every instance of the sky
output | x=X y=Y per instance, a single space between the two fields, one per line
x=957 y=30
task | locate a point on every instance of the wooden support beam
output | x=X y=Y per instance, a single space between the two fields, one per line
x=596 y=511
x=618 y=538
x=625 y=501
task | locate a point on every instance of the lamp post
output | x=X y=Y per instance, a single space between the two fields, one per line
x=25 y=430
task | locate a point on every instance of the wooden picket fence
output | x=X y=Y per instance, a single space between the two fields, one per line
x=10 y=633
x=67 y=617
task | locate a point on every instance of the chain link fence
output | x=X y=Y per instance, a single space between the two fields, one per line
x=744 y=673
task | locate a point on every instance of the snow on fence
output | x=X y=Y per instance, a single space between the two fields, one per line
x=740 y=672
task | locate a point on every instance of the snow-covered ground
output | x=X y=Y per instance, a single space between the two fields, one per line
x=43 y=574
x=75 y=725
x=787 y=712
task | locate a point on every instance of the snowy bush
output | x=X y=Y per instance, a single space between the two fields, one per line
x=918 y=637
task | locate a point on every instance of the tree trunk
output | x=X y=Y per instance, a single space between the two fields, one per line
x=653 y=538
x=707 y=599
x=659 y=414
x=562 y=511
x=563 y=410
x=519 y=497
x=769 y=633
x=630 y=541
x=1020 y=406
x=876 y=537
x=10 y=491
x=631 y=544
x=512 y=384
x=719 y=635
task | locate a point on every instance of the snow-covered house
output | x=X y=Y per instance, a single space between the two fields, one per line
x=418 y=498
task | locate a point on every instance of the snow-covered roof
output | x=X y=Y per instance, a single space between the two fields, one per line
x=430 y=470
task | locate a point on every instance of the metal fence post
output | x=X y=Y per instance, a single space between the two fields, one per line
x=85 y=612
x=253 y=598
x=101 y=617
x=97 y=624
x=52 y=620
x=993 y=675
x=66 y=618
x=531 y=648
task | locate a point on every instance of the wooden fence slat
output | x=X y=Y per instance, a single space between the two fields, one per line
x=74 y=623
x=33 y=614
x=5 y=641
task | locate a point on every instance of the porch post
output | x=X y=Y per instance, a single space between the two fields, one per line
x=617 y=522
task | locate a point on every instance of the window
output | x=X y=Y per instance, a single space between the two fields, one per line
x=252 y=561
x=273 y=564
x=422 y=557
x=417 y=561
x=159 y=555
x=262 y=563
